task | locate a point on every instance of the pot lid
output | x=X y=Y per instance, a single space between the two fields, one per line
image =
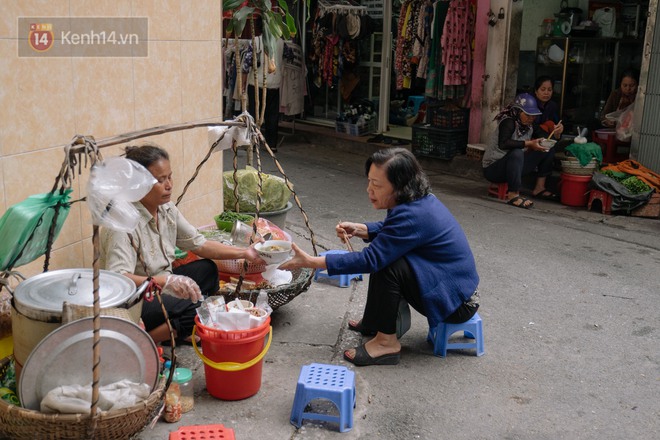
x=48 y=291
x=64 y=357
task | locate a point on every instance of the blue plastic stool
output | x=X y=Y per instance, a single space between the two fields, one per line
x=344 y=279
x=320 y=381
x=472 y=329
x=415 y=102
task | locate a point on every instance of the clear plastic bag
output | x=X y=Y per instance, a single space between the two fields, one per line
x=113 y=185
x=624 y=124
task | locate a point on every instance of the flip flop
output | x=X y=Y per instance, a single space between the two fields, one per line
x=360 y=329
x=363 y=359
x=546 y=195
x=522 y=202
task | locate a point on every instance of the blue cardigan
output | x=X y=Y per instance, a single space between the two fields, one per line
x=426 y=234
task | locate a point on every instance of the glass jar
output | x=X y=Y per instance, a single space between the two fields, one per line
x=173 y=410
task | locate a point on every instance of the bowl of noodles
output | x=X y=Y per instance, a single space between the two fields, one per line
x=274 y=251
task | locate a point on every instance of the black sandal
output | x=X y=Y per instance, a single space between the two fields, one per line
x=360 y=329
x=520 y=202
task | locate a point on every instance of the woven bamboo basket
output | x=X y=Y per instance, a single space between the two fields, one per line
x=21 y=423
x=278 y=296
x=571 y=165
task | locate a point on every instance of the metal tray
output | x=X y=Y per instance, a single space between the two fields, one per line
x=65 y=357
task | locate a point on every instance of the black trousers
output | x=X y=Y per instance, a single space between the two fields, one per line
x=518 y=163
x=391 y=285
x=182 y=311
x=271 y=115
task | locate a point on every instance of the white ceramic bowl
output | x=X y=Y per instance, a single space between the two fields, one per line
x=548 y=143
x=273 y=251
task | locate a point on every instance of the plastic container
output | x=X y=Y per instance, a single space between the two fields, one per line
x=547 y=27
x=184 y=378
x=574 y=189
x=233 y=360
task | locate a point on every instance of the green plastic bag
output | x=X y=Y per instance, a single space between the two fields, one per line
x=275 y=192
x=24 y=228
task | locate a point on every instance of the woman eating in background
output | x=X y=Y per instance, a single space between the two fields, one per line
x=548 y=120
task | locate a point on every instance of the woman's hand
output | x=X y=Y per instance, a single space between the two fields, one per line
x=559 y=129
x=300 y=259
x=534 y=145
x=182 y=287
x=349 y=230
x=252 y=255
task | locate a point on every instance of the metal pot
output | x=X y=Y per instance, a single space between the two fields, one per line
x=38 y=302
x=41 y=297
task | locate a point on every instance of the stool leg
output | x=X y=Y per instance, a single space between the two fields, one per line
x=480 y=338
x=298 y=406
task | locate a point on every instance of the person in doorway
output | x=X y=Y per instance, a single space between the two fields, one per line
x=419 y=254
x=548 y=120
x=160 y=229
x=515 y=150
x=622 y=97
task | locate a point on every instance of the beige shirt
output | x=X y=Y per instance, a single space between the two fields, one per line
x=157 y=245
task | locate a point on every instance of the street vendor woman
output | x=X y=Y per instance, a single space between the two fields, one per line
x=419 y=254
x=161 y=228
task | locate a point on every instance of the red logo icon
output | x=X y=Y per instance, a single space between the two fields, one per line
x=41 y=36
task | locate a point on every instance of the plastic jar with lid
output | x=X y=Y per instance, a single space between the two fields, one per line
x=183 y=377
x=547 y=27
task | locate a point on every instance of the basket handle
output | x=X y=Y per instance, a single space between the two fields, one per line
x=232 y=366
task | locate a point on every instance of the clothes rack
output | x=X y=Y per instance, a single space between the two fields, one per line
x=341 y=6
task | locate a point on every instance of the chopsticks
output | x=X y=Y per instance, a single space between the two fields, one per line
x=347 y=241
x=553 y=131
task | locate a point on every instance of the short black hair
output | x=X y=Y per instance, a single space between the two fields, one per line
x=404 y=173
x=147 y=154
x=630 y=73
x=541 y=79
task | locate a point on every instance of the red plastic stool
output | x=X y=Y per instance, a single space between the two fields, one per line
x=498 y=190
x=202 y=432
x=605 y=200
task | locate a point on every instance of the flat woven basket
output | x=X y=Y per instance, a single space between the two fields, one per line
x=278 y=296
x=571 y=166
x=21 y=423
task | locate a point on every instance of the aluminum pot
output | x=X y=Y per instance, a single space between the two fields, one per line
x=38 y=302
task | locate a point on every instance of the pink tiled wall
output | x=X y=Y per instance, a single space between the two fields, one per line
x=44 y=102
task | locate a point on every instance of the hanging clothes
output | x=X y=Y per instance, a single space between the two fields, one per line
x=457 y=39
x=436 y=71
x=337 y=27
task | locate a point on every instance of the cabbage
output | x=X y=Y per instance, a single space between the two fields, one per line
x=275 y=192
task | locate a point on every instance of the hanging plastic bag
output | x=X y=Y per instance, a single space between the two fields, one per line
x=624 y=124
x=113 y=185
x=25 y=226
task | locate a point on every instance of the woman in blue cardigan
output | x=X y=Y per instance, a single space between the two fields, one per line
x=419 y=254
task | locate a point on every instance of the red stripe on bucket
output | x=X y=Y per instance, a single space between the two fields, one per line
x=232 y=382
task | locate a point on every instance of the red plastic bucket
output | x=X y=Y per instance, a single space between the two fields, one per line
x=574 y=189
x=233 y=360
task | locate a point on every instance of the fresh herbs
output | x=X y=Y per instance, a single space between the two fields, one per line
x=632 y=183
x=231 y=216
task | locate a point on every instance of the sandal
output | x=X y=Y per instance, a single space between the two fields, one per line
x=520 y=202
x=357 y=327
x=546 y=195
x=362 y=358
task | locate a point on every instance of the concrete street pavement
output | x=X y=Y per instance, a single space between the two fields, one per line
x=571 y=313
